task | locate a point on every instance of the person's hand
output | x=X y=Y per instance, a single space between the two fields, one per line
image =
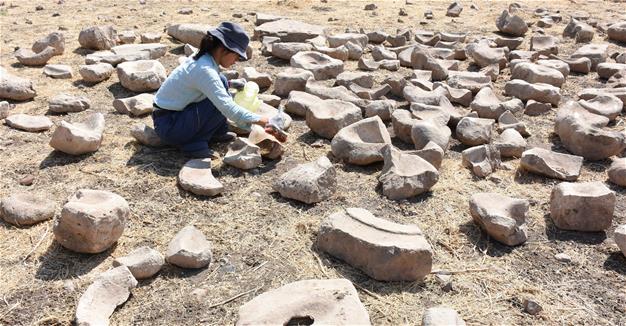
x=237 y=84
x=262 y=121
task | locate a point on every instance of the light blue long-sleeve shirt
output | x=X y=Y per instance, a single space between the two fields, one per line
x=195 y=80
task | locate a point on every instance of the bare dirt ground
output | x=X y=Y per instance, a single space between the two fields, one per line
x=262 y=241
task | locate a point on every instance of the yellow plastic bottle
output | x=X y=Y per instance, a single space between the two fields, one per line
x=247 y=97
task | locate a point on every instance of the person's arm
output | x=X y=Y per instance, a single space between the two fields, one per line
x=207 y=80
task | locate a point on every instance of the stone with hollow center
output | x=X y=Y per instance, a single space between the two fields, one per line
x=502 y=217
x=361 y=143
x=197 y=178
x=330 y=116
x=322 y=66
x=79 y=137
x=405 y=175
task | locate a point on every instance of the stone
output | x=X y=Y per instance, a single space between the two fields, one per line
x=150 y=37
x=524 y=56
x=141 y=75
x=473 y=81
x=197 y=178
x=415 y=94
x=270 y=147
x=597 y=53
x=111 y=58
x=79 y=138
x=98 y=37
x=57 y=71
x=397 y=84
x=137 y=105
x=425 y=131
x=15 y=88
x=134 y=52
x=532 y=307
x=559 y=65
x=338 y=93
x=289 y=30
x=127 y=37
x=56 y=40
x=459 y=96
x=262 y=18
x=21 y=209
x=402 y=122
x=431 y=153
x=185 y=11
x=330 y=116
x=430 y=112
x=322 y=66
x=338 y=40
x=327 y=302
x=268 y=111
x=64 y=103
x=617 y=32
x=384 y=250
x=604 y=104
x=96 y=73
x=544 y=44
x=585 y=206
x=620 y=238
x=5 y=109
x=269 y=99
x=442 y=316
x=589 y=93
x=109 y=290
x=617 y=172
x=190 y=50
x=534 y=108
x=454 y=9
x=361 y=143
x=525 y=91
x=582 y=133
x=242 y=154
x=145 y=135
x=376 y=37
x=362 y=79
x=405 y=175
x=511 y=24
x=299 y=102
x=381 y=108
x=397 y=40
x=580 y=65
x=551 y=164
x=421 y=59
x=502 y=217
x=488 y=106
x=484 y=55
x=474 y=131
x=381 y=53
x=563 y=257
x=143 y=262
x=309 y=183
x=264 y=80
x=91 y=221
x=291 y=79
x=510 y=42
x=31 y=123
x=607 y=69
x=510 y=143
x=339 y=53
x=582 y=32
x=30 y=58
x=370 y=93
x=189 y=249
x=508 y=121
x=355 y=51
x=188 y=33
x=371 y=65
x=482 y=160
x=286 y=50
x=537 y=74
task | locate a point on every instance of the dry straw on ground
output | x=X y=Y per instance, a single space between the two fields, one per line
x=262 y=241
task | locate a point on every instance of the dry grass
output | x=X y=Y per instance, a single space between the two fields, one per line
x=262 y=241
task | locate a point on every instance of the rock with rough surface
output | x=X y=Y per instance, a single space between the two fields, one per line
x=511 y=24
x=482 y=160
x=242 y=154
x=617 y=172
x=143 y=262
x=291 y=79
x=442 y=316
x=322 y=66
x=620 y=238
x=525 y=91
x=188 y=33
x=91 y=221
x=537 y=74
x=96 y=73
x=64 y=103
x=361 y=143
x=606 y=105
x=141 y=75
x=330 y=116
x=98 y=37
x=510 y=143
x=489 y=106
x=384 y=250
x=189 y=249
x=80 y=137
x=551 y=164
x=425 y=131
x=327 y=302
x=299 y=103
x=586 y=206
x=108 y=291
x=502 y=217
x=55 y=40
x=474 y=131
x=58 y=71
x=29 y=58
x=137 y=105
x=15 y=88
x=617 y=32
x=26 y=209
x=264 y=80
x=405 y=175
x=581 y=31
x=309 y=183
x=197 y=178
x=145 y=135
x=31 y=123
x=289 y=30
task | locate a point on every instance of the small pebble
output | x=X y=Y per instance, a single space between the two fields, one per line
x=27 y=180
x=532 y=307
x=563 y=257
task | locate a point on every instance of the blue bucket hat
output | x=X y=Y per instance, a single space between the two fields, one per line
x=233 y=37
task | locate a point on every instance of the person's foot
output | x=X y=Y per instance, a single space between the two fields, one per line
x=224 y=138
x=203 y=153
